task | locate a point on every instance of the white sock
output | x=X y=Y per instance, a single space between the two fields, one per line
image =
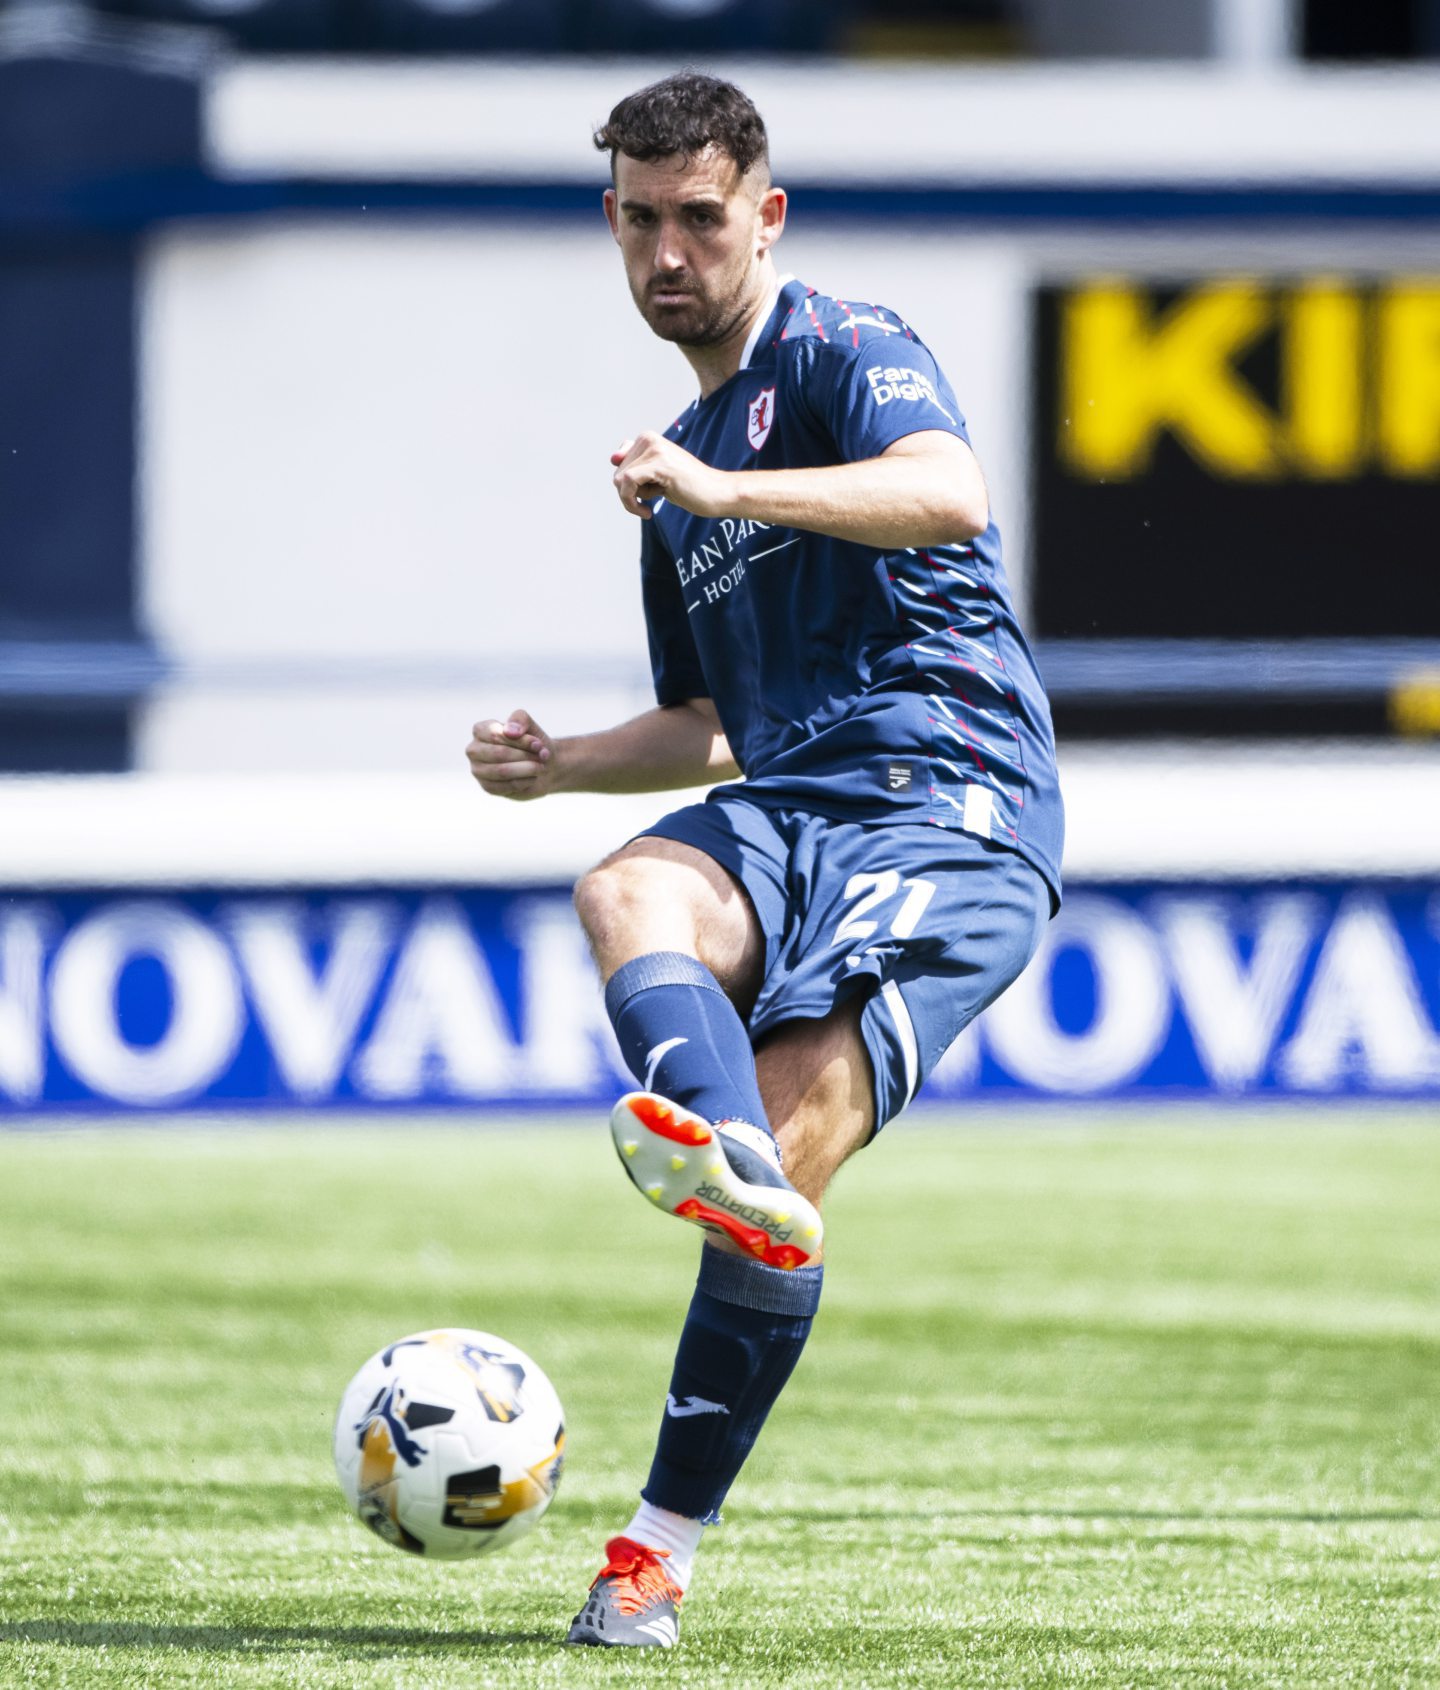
x=658 y=1528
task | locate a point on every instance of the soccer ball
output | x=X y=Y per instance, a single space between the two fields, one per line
x=449 y=1443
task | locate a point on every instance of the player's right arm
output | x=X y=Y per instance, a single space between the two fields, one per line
x=675 y=745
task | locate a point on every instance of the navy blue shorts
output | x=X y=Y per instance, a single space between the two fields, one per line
x=931 y=924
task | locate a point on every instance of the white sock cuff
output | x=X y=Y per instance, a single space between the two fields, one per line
x=658 y=1528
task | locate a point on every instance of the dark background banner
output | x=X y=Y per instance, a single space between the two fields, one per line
x=1237 y=457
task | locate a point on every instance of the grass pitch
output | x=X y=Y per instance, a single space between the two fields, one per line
x=1148 y=1402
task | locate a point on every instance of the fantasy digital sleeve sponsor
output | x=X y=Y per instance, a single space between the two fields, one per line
x=872 y=394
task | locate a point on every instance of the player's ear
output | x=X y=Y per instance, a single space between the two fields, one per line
x=612 y=215
x=770 y=216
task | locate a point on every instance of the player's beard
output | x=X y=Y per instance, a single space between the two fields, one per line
x=701 y=322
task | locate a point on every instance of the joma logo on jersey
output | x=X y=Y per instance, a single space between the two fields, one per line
x=887 y=384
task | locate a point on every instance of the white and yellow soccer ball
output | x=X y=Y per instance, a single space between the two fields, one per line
x=450 y=1443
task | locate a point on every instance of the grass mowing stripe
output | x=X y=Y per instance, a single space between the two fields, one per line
x=1114 y=1403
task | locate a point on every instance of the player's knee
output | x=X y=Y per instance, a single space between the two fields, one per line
x=616 y=899
x=598 y=897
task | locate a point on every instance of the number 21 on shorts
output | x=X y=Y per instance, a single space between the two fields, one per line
x=870 y=891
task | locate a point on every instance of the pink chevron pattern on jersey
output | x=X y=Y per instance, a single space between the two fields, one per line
x=825 y=318
x=943 y=678
x=950 y=630
x=946 y=620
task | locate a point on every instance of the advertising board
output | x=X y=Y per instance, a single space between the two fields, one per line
x=1236 y=456
x=473 y=999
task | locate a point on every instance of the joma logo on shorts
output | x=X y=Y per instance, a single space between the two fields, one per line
x=756 y=1217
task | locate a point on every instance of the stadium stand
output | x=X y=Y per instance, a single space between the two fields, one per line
x=711 y=26
x=506 y=26
x=1323 y=30
x=464 y=26
x=261 y=26
x=379 y=26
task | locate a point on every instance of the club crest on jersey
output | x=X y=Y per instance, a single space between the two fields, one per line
x=761 y=417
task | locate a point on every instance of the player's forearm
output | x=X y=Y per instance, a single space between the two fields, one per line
x=674 y=746
x=883 y=502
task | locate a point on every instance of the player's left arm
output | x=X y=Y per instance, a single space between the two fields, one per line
x=924 y=489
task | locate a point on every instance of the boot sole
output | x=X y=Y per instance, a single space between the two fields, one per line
x=674 y=1161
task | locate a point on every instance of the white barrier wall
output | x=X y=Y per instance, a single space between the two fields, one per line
x=845 y=122
x=387 y=448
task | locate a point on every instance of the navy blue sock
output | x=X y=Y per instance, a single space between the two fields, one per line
x=681 y=1036
x=744 y=1332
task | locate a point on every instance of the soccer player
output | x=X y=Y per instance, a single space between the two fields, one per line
x=828 y=615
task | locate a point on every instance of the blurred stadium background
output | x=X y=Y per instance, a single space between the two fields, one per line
x=312 y=348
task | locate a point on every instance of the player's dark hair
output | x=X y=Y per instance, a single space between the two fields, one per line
x=684 y=115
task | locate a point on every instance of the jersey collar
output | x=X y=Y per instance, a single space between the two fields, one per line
x=762 y=322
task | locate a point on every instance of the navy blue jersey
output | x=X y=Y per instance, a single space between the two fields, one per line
x=858 y=684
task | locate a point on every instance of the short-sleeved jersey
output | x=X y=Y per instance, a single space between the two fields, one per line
x=859 y=684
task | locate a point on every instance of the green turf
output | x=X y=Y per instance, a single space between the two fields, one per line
x=1099 y=1403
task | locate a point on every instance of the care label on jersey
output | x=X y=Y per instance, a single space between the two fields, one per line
x=898 y=777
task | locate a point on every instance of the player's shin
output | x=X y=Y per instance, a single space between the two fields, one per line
x=680 y=1035
x=743 y=1334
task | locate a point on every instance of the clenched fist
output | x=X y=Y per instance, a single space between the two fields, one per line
x=513 y=758
x=651 y=467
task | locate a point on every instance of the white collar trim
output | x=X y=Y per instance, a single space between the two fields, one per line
x=760 y=323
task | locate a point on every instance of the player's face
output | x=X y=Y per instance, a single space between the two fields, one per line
x=693 y=237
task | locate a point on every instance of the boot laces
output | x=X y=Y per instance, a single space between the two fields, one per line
x=640 y=1579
